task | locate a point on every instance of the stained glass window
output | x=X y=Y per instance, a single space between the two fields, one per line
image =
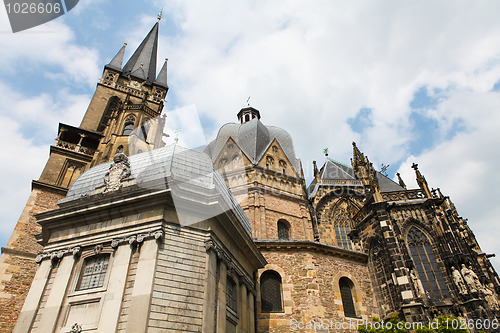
x=93 y=272
x=342 y=227
x=346 y=286
x=426 y=264
x=270 y=292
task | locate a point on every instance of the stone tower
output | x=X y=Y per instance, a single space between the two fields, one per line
x=306 y=278
x=123 y=115
x=423 y=258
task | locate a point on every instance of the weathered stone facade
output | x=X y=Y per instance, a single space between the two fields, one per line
x=129 y=250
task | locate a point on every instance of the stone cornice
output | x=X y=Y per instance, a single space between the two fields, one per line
x=134 y=239
x=36 y=184
x=19 y=253
x=307 y=245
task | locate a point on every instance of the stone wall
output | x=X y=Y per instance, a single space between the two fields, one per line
x=17 y=263
x=310 y=289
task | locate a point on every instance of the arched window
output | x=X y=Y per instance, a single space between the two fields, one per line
x=111 y=107
x=270 y=292
x=93 y=272
x=247 y=117
x=283 y=230
x=119 y=149
x=341 y=223
x=283 y=166
x=129 y=126
x=346 y=287
x=425 y=264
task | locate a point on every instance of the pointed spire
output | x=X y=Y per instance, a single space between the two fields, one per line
x=142 y=64
x=117 y=61
x=401 y=182
x=161 y=80
x=422 y=183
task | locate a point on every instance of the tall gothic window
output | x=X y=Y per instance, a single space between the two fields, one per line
x=342 y=227
x=425 y=263
x=346 y=287
x=129 y=126
x=270 y=292
x=93 y=272
x=146 y=125
x=283 y=230
x=111 y=107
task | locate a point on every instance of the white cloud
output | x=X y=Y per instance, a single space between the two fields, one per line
x=49 y=49
x=311 y=67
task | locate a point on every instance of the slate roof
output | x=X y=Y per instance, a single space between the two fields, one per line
x=117 y=61
x=333 y=170
x=142 y=64
x=254 y=138
x=189 y=175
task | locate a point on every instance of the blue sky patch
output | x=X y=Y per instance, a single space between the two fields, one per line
x=362 y=120
x=422 y=99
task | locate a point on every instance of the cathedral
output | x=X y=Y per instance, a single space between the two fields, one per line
x=123 y=233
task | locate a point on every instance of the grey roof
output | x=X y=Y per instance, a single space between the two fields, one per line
x=335 y=170
x=145 y=55
x=161 y=80
x=189 y=174
x=254 y=138
x=387 y=185
x=117 y=61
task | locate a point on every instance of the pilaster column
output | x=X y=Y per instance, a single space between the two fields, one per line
x=110 y=312
x=210 y=303
x=221 y=297
x=143 y=287
x=50 y=312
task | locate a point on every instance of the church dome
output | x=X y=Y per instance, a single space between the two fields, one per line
x=189 y=175
x=253 y=138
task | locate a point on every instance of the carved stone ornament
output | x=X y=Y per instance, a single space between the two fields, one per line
x=459 y=281
x=133 y=240
x=76 y=328
x=417 y=284
x=98 y=248
x=118 y=171
x=57 y=255
x=471 y=279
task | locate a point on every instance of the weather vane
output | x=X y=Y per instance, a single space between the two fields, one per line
x=325 y=151
x=383 y=169
x=248 y=101
x=160 y=14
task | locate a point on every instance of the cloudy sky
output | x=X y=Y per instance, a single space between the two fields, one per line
x=409 y=81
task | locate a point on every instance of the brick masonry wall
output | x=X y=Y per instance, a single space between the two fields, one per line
x=17 y=263
x=311 y=292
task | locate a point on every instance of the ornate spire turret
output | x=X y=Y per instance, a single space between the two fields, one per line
x=401 y=182
x=161 y=80
x=142 y=64
x=364 y=171
x=422 y=183
x=117 y=61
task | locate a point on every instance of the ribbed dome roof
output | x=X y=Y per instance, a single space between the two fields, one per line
x=188 y=174
x=254 y=138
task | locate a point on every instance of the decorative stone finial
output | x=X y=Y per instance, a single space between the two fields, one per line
x=118 y=171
